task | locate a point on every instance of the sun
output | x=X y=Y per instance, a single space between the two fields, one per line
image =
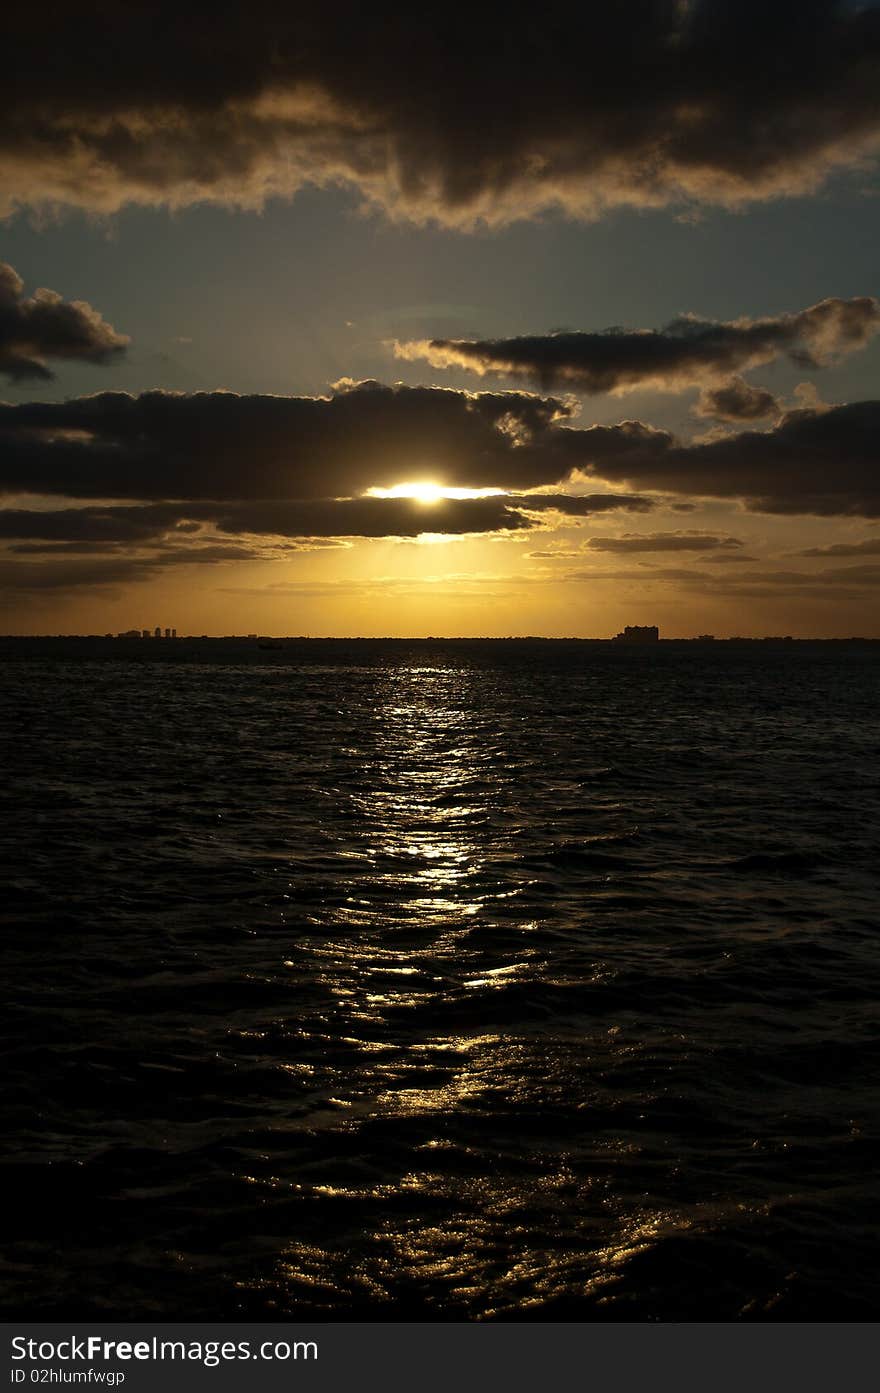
x=424 y=491
x=420 y=490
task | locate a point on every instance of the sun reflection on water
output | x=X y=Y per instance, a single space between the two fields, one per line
x=471 y=1199
x=417 y=844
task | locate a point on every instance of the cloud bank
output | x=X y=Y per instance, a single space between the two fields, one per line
x=687 y=352
x=219 y=445
x=460 y=117
x=822 y=461
x=219 y=448
x=108 y=527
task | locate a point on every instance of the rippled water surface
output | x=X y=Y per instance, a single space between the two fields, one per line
x=513 y=981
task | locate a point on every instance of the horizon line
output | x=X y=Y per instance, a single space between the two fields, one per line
x=447 y=638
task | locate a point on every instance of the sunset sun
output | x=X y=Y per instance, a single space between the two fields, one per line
x=424 y=491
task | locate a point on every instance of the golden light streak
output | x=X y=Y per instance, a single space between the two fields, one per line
x=427 y=492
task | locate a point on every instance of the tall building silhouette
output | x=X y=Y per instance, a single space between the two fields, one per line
x=638 y=633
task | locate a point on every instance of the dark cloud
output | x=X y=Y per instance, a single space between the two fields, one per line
x=46 y=326
x=159 y=554
x=663 y=541
x=25 y=577
x=312 y=519
x=456 y=115
x=582 y=505
x=99 y=570
x=318 y=522
x=64 y=548
x=89 y=526
x=218 y=445
x=294 y=465
x=736 y=400
x=203 y=555
x=686 y=352
x=825 y=462
x=367 y=517
x=406 y=517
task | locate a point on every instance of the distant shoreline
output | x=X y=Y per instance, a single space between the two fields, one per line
x=268 y=642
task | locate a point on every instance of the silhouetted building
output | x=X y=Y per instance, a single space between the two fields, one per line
x=145 y=633
x=174 y=633
x=638 y=633
x=157 y=632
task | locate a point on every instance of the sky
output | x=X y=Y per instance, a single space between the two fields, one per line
x=342 y=323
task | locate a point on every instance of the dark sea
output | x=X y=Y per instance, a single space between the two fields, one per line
x=441 y=980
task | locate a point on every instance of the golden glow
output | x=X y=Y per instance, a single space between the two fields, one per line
x=424 y=491
x=537 y=580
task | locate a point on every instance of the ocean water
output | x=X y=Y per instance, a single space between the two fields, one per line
x=513 y=981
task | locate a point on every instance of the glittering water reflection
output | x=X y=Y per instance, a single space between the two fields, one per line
x=476 y=988
x=522 y=1198
x=429 y=921
x=419 y=831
